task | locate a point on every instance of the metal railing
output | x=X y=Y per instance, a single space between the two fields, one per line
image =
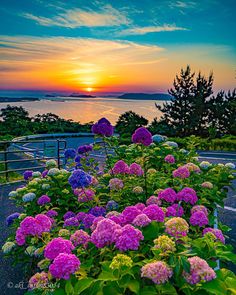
x=34 y=153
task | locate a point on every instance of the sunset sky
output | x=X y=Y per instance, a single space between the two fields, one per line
x=114 y=46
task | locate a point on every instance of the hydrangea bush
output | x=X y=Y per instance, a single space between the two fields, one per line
x=142 y=223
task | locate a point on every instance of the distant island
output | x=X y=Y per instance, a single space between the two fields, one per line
x=146 y=96
x=15 y=99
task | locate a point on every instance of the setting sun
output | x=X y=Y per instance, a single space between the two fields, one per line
x=89 y=89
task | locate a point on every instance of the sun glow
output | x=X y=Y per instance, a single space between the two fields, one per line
x=89 y=89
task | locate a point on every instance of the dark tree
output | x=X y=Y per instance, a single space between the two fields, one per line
x=129 y=121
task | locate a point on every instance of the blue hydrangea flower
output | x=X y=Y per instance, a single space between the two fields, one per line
x=97 y=211
x=10 y=219
x=79 y=179
x=172 y=144
x=157 y=138
x=70 y=153
x=28 y=197
x=112 y=205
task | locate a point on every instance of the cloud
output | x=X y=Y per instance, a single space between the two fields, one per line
x=150 y=29
x=74 y=18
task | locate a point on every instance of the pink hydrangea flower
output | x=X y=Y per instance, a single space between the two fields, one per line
x=168 y=195
x=159 y=272
x=199 y=208
x=116 y=184
x=154 y=212
x=80 y=237
x=170 y=159
x=200 y=271
x=181 y=172
x=130 y=213
x=140 y=206
x=153 y=200
x=57 y=246
x=64 y=265
x=177 y=227
x=39 y=281
x=198 y=218
x=135 y=169
x=141 y=220
x=120 y=167
x=84 y=195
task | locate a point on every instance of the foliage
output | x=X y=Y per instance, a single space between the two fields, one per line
x=112 y=237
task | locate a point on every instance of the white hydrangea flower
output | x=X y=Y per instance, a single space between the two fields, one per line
x=53 y=171
x=46 y=186
x=28 y=197
x=12 y=194
x=172 y=144
x=51 y=164
x=205 y=164
x=7 y=247
x=230 y=165
x=36 y=174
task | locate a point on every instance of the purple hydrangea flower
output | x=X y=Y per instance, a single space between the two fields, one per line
x=168 y=195
x=143 y=136
x=80 y=216
x=216 y=232
x=97 y=211
x=64 y=265
x=199 y=208
x=120 y=167
x=28 y=174
x=135 y=169
x=175 y=210
x=44 y=173
x=140 y=206
x=85 y=149
x=154 y=212
x=44 y=199
x=153 y=200
x=79 y=179
x=198 y=218
x=68 y=214
x=112 y=205
x=72 y=221
x=187 y=195
x=51 y=213
x=181 y=172
x=141 y=220
x=80 y=237
x=88 y=220
x=69 y=154
x=130 y=213
x=10 y=219
x=170 y=159
x=103 y=127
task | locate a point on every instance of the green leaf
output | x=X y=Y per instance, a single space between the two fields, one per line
x=216 y=287
x=82 y=285
x=148 y=291
x=106 y=276
x=69 y=288
x=134 y=286
x=151 y=231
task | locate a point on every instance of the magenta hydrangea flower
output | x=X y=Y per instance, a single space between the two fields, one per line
x=181 y=172
x=44 y=199
x=140 y=206
x=120 y=167
x=174 y=210
x=159 y=272
x=168 y=195
x=127 y=238
x=64 y=265
x=80 y=237
x=143 y=136
x=177 y=227
x=103 y=127
x=187 y=195
x=116 y=184
x=200 y=271
x=199 y=208
x=20 y=237
x=68 y=215
x=130 y=213
x=141 y=220
x=170 y=159
x=198 y=218
x=44 y=173
x=216 y=232
x=135 y=169
x=154 y=212
x=103 y=234
x=57 y=246
x=95 y=222
x=153 y=200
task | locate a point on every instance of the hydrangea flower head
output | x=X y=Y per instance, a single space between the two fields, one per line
x=29 y=197
x=135 y=169
x=205 y=164
x=143 y=136
x=10 y=219
x=44 y=199
x=198 y=218
x=172 y=144
x=207 y=184
x=116 y=184
x=51 y=213
x=170 y=159
x=154 y=212
x=98 y=211
x=157 y=138
x=103 y=127
x=72 y=221
x=192 y=167
x=153 y=200
x=165 y=244
x=57 y=246
x=181 y=172
x=85 y=149
x=138 y=190
x=69 y=154
x=177 y=227
x=84 y=195
x=130 y=213
x=230 y=165
x=120 y=167
x=64 y=265
x=141 y=220
x=175 y=210
x=121 y=260
x=199 y=208
x=28 y=174
x=7 y=247
x=200 y=271
x=159 y=272
x=216 y=232
x=80 y=237
x=39 y=280
x=88 y=220
x=51 y=164
x=112 y=205
x=187 y=195
x=140 y=206
x=79 y=179
x=68 y=214
x=168 y=195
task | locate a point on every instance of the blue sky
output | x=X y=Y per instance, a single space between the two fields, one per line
x=199 y=33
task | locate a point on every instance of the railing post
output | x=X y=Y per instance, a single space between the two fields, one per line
x=58 y=154
x=6 y=163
